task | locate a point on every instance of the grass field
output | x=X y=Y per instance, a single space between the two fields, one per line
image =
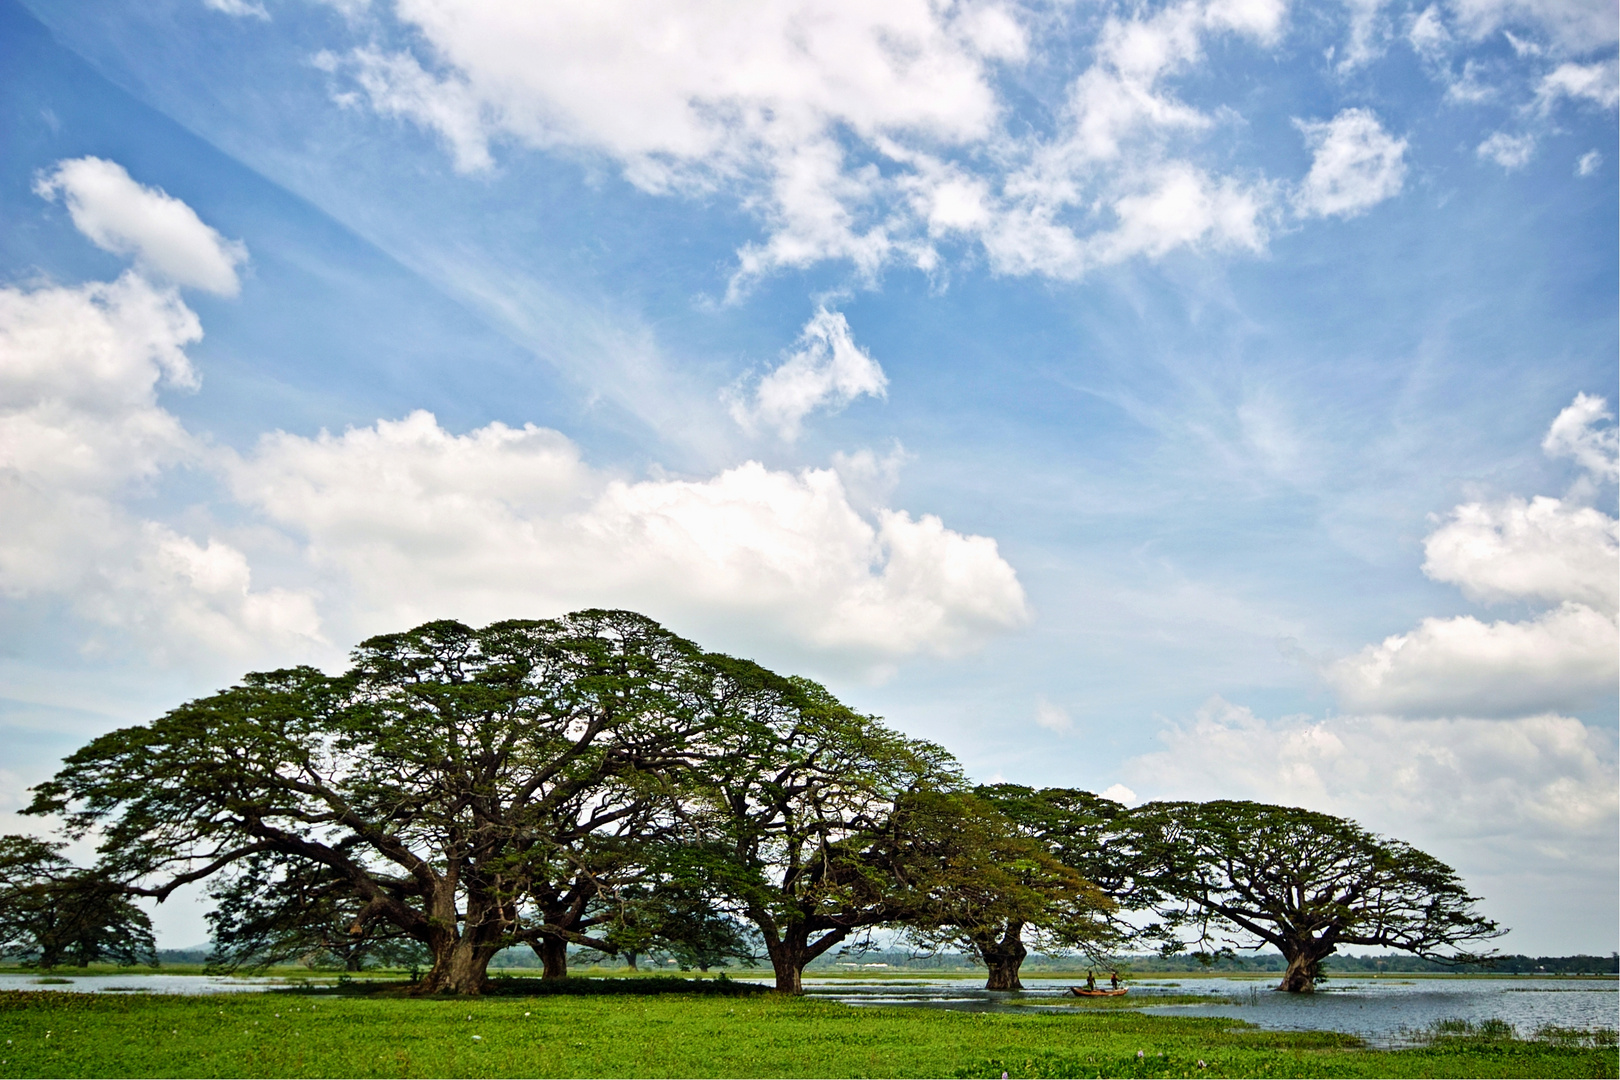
x=627 y=1034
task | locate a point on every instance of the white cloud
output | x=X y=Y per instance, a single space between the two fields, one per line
x=1428 y=35
x=1556 y=551
x=1545 y=549
x=163 y=235
x=1052 y=717
x=1537 y=794
x=1589 y=163
x=1576 y=434
x=1598 y=83
x=1355 y=164
x=81 y=430
x=857 y=132
x=827 y=372
x=1367 y=32
x=1120 y=794
x=1576 y=26
x=238 y=8
x=1509 y=151
x=504 y=522
x=1564 y=659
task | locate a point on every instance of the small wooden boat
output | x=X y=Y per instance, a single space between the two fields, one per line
x=1080 y=991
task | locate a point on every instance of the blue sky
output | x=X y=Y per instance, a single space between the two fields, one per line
x=1204 y=399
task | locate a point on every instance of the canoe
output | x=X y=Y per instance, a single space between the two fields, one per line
x=1080 y=991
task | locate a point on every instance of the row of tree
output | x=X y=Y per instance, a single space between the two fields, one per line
x=598 y=781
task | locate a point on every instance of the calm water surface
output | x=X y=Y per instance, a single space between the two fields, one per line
x=1380 y=1010
x=136 y=983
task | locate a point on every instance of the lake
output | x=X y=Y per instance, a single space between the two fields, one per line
x=1379 y=1009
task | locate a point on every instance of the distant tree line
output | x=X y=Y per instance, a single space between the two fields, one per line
x=597 y=782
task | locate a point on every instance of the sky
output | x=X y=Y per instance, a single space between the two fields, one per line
x=1191 y=399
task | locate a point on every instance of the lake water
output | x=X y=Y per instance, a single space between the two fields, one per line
x=1381 y=1010
x=136 y=983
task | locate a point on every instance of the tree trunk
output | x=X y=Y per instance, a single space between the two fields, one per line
x=553 y=956
x=458 y=968
x=630 y=961
x=1304 y=971
x=1004 y=957
x=788 y=960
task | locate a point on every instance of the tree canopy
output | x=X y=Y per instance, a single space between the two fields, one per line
x=598 y=781
x=473 y=788
x=974 y=878
x=793 y=820
x=1242 y=874
x=52 y=911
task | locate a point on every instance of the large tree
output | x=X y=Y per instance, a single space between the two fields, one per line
x=1247 y=875
x=795 y=818
x=471 y=787
x=973 y=879
x=52 y=911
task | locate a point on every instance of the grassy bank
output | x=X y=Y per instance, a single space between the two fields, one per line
x=52 y=1034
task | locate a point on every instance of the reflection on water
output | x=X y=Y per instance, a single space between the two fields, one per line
x=137 y=983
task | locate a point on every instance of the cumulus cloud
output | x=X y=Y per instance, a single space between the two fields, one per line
x=858 y=132
x=1564 y=659
x=1580 y=434
x=1355 y=164
x=1544 y=549
x=163 y=235
x=1547 y=550
x=827 y=372
x=503 y=522
x=1509 y=151
x=81 y=429
x=1535 y=791
x=1596 y=83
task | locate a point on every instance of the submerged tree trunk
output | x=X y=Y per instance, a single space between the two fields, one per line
x=1304 y=972
x=1004 y=957
x=792 y=950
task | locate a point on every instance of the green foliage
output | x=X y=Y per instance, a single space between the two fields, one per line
x=1243 y=874
x=976 y=878
x=269 y=911
x=475 y=789
x=795 y=820
x=52 y=912
x=598 y=782
x=687 y=1035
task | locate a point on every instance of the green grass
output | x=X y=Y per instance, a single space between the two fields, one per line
x=313 y=1034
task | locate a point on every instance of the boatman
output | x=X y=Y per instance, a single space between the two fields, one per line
x=1113 y=980
x=1091 y=980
